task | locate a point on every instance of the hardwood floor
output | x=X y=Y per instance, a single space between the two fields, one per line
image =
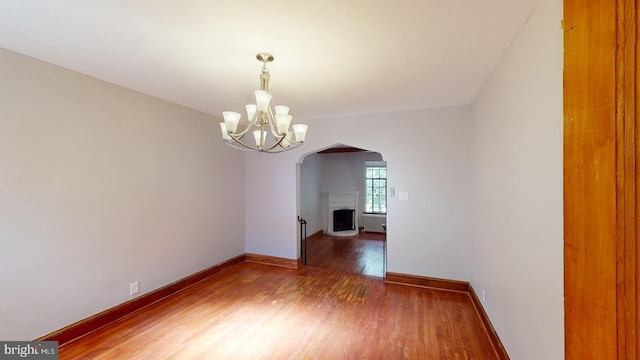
x=362 y=254
x=255 y=311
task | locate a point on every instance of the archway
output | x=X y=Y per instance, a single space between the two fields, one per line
x=340 y=171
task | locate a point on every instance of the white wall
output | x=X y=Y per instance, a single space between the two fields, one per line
x=343 y=172
x=101 y=186
x=310 y=194
x=517 y=233
x=271 y=207
x=427 y=155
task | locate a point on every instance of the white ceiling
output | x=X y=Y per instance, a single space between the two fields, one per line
x=332 y=57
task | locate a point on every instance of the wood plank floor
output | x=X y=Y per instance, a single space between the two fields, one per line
x=255 y=311
x=362 y=254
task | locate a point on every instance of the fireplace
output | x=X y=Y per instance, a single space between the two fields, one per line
x=342 y=214
x=344 y=219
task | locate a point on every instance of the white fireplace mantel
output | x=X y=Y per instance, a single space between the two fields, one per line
x=339 y=201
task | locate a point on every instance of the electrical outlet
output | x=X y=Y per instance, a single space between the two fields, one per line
x=404 y=195
x=134 y=287
x=484 y=296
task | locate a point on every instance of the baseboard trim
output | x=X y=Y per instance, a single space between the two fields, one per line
x=458 y=286
x=427 y=282
x=501 y=352
x=274 y=261
x=104 y=318
x=86 y=326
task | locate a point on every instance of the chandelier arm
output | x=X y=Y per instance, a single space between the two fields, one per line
x=262 y=136
x=246 y=149
x=281 y=149
x=272 y=123
x=240 y=134
x=238 y=140
x=269 y=150
x=292 y=140
x=254 y=119
x=278 y=142
x=292 y=144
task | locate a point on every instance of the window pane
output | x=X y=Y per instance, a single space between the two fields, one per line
x=375 y=189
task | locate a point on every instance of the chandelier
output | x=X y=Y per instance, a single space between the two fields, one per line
x=263 y=122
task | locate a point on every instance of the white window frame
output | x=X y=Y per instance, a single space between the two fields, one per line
x=370 y=198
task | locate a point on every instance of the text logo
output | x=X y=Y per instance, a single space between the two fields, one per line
x=43 y=350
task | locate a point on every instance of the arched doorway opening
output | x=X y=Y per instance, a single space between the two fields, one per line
x=335 y=180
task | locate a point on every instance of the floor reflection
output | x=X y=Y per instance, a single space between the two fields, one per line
x=362 y=254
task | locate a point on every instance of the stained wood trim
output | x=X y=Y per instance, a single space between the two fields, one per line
x=342 y=149
x=428 y=282
x=274 y=261
x=590 y=179
x=626 y=150
x=498 y=347
x=97 y=321
x=601 y=161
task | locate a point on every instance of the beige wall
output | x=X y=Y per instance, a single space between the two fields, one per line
x=517 y=234
x=101 y=186
x=428 y=156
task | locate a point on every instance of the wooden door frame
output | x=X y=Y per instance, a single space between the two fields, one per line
x=600 y=196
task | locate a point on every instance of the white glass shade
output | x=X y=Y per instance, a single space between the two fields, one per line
x=223 y=129
x=301 y=132
x=251 y=111
x=231 y=120
x=262 y=99
x=283 y=121
x=281 y=109
x=256 y=135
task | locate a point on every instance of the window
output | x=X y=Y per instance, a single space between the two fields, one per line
x=375 y=182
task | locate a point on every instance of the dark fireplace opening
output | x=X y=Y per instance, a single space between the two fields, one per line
x=344 y=219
